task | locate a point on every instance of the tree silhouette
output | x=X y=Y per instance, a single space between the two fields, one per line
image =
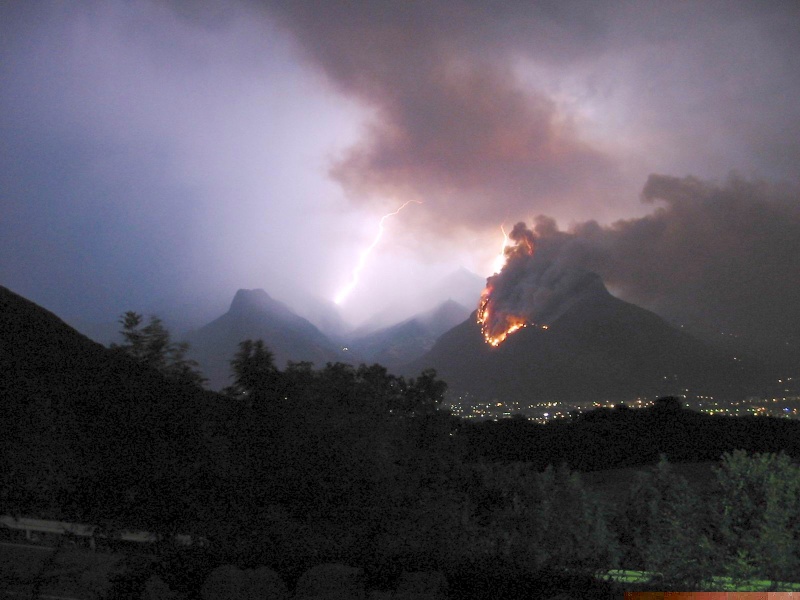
x=665 y=529
x=759 y=507
x=151 y=345
x=254 y=371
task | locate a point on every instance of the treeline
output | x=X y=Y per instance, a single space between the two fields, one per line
x=745 y=527
x=303 y=466
x=607 y=438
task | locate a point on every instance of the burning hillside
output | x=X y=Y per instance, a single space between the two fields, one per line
x=498 y=311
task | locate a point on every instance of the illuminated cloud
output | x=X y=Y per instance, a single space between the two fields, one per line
x=494 y=114
x=161 y=152
x=453 y=124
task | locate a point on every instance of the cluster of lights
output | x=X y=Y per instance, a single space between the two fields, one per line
x=545 y=412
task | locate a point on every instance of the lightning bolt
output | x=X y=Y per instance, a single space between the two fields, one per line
x=500 y=259
x=362 y=259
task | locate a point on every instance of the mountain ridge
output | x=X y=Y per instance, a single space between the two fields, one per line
x=400 y=343
x=596 y=346
x=254 y=314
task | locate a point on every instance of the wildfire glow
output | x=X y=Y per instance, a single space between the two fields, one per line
x=512 y=324
x=342 y=295
x=497 y=325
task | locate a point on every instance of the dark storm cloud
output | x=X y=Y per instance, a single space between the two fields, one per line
x=719 y=255
x=453 y=124
x=157 y=149
x=469 y=142
x=493 y=111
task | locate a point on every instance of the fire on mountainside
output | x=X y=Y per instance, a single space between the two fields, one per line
x=496 y=323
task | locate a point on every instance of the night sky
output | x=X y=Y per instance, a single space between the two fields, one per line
x=156 y=154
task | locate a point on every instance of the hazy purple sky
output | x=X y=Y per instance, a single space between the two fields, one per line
x=159 y=153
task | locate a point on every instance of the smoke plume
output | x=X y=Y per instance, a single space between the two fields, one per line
x=452 y=122
x=723 y=258
x=531 y=290
x=556 y=107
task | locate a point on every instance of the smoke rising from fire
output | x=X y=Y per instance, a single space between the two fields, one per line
x=144 y=143
x=724 y=257
x=499 y=310
x=531 y=289
x=452 y=120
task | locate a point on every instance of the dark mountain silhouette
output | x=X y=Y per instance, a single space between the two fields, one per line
x=43 y=357
x=596 y=347
x=255 y=315
x=88 y=433
x=39 y=352
x=406 y=341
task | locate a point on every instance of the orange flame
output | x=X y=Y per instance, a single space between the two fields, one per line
x=510 y=325
x=497 y=327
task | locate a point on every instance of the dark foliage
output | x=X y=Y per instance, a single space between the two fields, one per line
x=297 y=467
x=611 y=438
x=488 y=580
x=129 y=582
x=151 y=345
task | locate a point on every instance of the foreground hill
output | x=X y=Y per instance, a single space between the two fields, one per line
x=87 y=421
x=41 y=357
x=596 y=347
x=253 y=314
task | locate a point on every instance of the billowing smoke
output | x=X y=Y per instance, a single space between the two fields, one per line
x=720 y=258
x=531 y=290
x=499 y=310
x=453 y=124
x=562 y=108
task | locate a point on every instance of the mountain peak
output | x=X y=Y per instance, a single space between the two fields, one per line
x=257 y=304
x=247 y=301
x=596 y=346
x=254 y=314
